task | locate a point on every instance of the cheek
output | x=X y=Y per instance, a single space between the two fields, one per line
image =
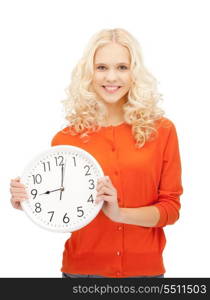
x=128 y=80
x=97 y=79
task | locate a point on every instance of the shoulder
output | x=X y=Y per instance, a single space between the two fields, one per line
x=165 y=125
x=166 y=130
x=67 y=133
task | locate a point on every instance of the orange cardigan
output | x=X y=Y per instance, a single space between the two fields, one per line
x=146 y=176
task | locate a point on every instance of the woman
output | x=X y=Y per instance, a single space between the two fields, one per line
x=112 y=113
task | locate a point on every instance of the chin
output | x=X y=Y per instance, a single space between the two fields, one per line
x=111 y=101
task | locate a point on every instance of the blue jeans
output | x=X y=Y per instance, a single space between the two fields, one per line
x=67 y=275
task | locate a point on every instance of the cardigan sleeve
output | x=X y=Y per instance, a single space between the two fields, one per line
x=170 y=186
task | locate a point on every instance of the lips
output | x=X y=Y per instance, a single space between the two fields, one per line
x=111 y=88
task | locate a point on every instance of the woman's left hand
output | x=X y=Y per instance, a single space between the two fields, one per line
x=108 y=193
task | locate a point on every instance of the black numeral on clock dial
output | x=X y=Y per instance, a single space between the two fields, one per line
x=66 y=219
x=88 y=169
x=80 y=211
x=37 y=179
x=92 y=185
x=52 y=214
x=74 y=158
x=90 y=199
x=34 y=193
x=38 y=207
x=46 y=166
x=59 y=160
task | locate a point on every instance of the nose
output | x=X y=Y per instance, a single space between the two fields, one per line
x=111 y=75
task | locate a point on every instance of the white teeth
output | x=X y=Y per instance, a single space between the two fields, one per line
x=111 y=88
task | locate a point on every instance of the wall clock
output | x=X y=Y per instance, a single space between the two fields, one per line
x=61 y=184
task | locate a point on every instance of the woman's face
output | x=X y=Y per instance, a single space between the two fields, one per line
x=112 y=75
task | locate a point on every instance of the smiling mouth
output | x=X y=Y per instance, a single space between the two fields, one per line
x=111 y=89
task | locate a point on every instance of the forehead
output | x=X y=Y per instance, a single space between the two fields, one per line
x=112 y=53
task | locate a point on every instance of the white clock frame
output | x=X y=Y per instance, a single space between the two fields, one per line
x=82 y=171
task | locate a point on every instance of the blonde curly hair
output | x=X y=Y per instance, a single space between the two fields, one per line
x=85 y=113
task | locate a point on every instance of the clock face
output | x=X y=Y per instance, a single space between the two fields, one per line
x=61 y=184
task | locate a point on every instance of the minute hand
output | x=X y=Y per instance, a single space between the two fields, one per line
x=62 y=188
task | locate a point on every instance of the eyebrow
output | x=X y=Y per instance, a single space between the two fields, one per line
x=120 y=63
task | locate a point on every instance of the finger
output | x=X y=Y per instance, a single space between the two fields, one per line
x=108 y=180
x=106 y=190
x=17 y=179
x=16 y=184
x=18 y=199
x=105 y=198
x=105 y=180
x=102 y=196
x=20 y=196
x=102 y=179
x=18 y=190
x=19 y=193
x=99 y=199
x=99 y=186
x=16 y=205
x=104 y=183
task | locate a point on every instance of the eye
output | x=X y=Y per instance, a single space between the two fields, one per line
x=122 y=67
x=102 y=68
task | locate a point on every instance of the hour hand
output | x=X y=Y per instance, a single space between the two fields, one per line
x=48 y=192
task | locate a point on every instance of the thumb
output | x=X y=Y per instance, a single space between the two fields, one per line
x=17 y=178
x=108 y=179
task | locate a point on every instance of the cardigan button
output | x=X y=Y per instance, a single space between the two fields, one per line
x=118 y=273
x=119 y=228
x=118 y=253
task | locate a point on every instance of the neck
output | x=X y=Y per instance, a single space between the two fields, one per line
x=115 y=114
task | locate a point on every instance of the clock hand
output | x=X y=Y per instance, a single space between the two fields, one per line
x=62 y=175
x=63 y=167
x=61 y=181
x=48 y=192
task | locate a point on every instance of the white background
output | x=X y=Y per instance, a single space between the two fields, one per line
x=41 y=41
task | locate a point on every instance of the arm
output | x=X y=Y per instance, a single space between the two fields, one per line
x=165 y=210
x=147 y=216
x=170 y=186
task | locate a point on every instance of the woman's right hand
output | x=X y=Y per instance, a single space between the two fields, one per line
x=18 y=193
